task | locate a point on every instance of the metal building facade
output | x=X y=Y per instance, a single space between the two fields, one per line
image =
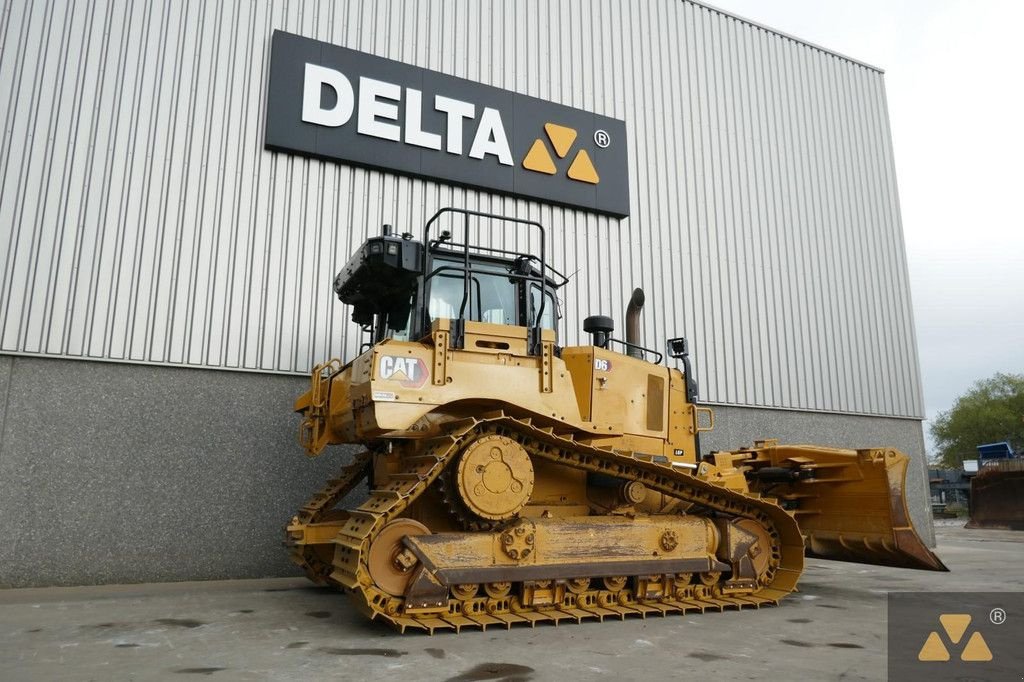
x=141 y=219
x=143 y=225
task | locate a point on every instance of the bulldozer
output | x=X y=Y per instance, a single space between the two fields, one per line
x=513 y=480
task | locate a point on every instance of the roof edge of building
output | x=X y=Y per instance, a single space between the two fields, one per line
x=783 y=34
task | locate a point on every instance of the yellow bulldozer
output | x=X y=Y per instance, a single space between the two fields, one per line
x=514 y=480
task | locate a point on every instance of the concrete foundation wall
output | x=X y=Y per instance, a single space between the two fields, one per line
x=114 y=473
x=117 y=473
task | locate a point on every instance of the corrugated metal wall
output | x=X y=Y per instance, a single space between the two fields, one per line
x=141 y=219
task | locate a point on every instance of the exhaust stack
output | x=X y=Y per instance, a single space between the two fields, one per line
x=636 y=304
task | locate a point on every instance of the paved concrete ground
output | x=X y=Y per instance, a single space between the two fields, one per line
x=283 y=629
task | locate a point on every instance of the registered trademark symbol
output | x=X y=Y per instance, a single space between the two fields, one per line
x=602 y=139
x=997 y=616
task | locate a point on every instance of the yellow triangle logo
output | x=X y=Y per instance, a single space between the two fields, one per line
x=933 y=649
x=561 y=137
x=955 y=625
x=538 y=159
x=976 y=649
x=582 y=168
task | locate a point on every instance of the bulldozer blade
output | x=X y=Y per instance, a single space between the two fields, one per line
x=850 y=504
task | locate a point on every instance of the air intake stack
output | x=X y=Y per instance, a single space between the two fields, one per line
x=600 y=327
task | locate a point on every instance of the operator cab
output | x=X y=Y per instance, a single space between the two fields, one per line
x=398 y=286
x=495 y=294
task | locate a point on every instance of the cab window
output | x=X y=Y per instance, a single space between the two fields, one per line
x=492 y=297
x=550 y=308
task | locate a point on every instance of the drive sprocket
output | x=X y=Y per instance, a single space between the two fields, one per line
x=494 y=478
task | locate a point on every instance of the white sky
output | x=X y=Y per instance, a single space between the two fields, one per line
x=954 y=76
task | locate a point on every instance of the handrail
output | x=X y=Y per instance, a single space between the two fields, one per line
x=444 y=249
x=642 y=349
x=428 y=259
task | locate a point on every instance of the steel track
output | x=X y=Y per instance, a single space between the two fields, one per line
x=422 y=468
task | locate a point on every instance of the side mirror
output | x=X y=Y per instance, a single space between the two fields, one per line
x=678 y=348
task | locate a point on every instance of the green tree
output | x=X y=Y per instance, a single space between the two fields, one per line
x=993 y=410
